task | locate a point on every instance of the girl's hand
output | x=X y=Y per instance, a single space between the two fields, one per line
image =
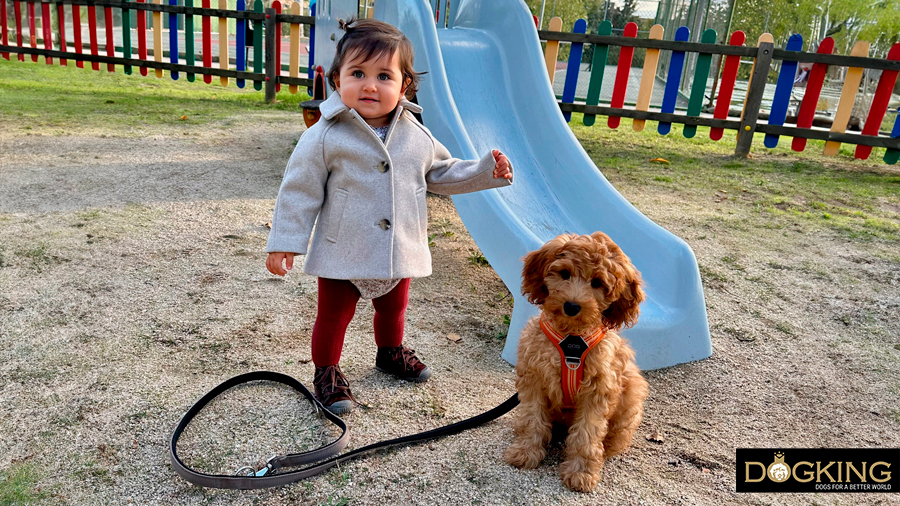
x=503 y=168
x=273 y=263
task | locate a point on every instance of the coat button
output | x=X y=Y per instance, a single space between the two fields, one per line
x=384 y=167
x=384 y=224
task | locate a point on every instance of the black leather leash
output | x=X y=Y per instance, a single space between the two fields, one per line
x=326 y=456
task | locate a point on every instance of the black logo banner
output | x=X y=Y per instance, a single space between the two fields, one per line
x=818 y=470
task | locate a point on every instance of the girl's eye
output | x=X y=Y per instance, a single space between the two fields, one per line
x=596 y=283
x=564 y=274
x=358 y=74
x=384 y=77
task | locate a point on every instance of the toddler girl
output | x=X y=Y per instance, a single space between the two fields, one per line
x=360 y=175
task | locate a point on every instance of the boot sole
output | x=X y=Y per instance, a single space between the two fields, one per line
x=340 y=407
x=421 y=378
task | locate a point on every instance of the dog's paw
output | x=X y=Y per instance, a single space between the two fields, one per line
x=525 y=458
x=576 y=478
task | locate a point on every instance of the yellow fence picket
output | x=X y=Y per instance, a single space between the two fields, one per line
x=223 y=42
x=295 y=48
x=551 y=53
x=648 y=77
x=848 y=96
x=157 y=38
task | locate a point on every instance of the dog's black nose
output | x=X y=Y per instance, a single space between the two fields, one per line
x=571 y=309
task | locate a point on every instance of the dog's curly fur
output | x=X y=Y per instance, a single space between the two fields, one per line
x=592 y=272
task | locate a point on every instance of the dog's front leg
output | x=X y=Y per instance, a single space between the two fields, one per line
x=584 y=444
x=532 y=426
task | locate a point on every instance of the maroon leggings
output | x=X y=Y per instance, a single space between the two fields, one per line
x=336 y=306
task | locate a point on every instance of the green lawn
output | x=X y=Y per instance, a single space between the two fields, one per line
x=858 y=198
x=69 y=98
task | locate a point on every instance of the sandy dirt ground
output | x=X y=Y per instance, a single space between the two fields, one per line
x=132 y=281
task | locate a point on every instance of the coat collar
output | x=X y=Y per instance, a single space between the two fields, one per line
x=333 y=106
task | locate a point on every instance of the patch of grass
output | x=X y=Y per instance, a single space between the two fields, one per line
x=710 y=276
x=38 y=256
x=60 y=98
x=784 y=327
x=476 y=258
x=18 y=486
x=775 y=189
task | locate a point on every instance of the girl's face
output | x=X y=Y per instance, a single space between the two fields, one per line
x=372 y=87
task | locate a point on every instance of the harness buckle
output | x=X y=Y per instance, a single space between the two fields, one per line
x=573 y=363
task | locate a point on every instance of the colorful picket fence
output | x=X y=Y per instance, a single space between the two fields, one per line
x=264 y=69
x=749 y=122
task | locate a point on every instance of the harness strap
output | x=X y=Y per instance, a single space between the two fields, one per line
x=326 y=456
x=572 y=350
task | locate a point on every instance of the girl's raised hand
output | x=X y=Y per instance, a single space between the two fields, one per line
x=502 y=168
x=273 y=263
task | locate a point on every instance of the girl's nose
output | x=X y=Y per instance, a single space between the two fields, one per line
x=369 y=85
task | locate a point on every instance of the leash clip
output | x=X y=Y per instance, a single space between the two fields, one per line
x=250 y=471
x=270 y=466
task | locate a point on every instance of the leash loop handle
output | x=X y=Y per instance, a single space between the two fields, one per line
x=325 y=457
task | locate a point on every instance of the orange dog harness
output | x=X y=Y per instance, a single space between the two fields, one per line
x=572 y=350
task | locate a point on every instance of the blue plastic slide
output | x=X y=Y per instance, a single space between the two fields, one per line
x=487 y=87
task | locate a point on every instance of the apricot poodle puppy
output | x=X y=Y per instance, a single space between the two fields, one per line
x=587 y=289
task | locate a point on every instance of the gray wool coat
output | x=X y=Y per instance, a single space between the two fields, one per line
x=365 y=198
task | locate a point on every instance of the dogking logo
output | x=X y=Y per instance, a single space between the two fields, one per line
x=778 y=470
x=818 y=470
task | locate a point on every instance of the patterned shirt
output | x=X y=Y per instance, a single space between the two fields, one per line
x=374 y=288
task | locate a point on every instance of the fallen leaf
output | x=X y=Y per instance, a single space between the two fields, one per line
x=268 y=225
x=659 y=160
x=656 y=437
x=454 y=337
x=183 y=117
x=705 y=470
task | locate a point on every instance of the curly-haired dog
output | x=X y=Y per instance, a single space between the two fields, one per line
x=588 y=288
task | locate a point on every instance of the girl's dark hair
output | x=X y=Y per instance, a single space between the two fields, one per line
x=370 y=38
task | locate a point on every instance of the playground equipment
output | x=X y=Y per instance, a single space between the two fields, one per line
x=486 y=87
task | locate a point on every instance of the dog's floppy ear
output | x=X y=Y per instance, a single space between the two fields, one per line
x=535 y=269
x=626 y=292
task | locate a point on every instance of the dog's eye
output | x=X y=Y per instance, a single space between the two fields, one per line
x=564 y=274
x=596 y=283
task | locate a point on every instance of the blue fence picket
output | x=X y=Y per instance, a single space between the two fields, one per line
x=573 y=68
x=676 y=67
x=783 y=90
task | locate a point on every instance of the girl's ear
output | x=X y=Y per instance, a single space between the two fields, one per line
x=406 y=82
x=337 y=83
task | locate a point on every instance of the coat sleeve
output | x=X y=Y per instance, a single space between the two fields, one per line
x=452 y=176
x=300 y=197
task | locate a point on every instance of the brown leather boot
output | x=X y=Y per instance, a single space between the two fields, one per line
x=402 y=363
x=333 y=389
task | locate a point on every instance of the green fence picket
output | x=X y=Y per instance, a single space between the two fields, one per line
x=189 y=40
x=258 y=44
x=126 y=37
x=598 y=67
x=698 y=87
